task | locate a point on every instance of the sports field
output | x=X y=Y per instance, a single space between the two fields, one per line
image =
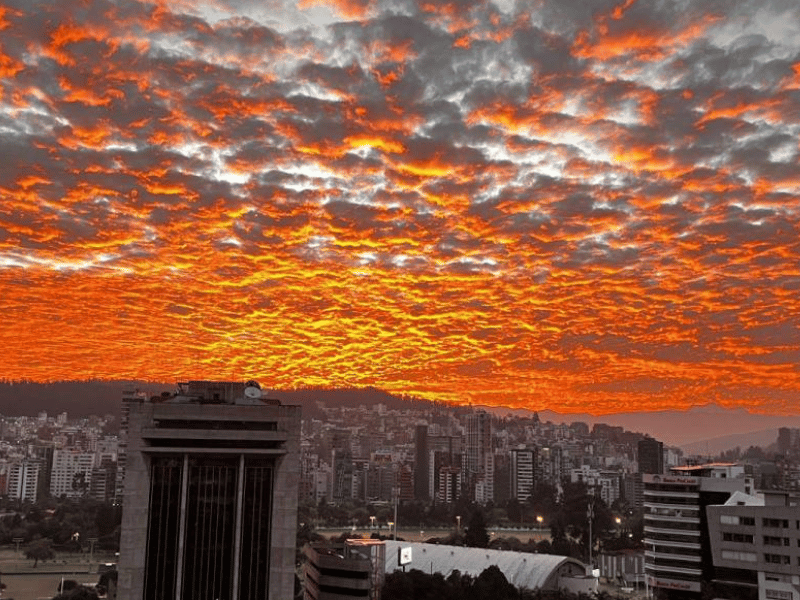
x=24 y=582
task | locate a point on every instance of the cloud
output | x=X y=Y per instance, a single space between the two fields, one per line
x=539 y=204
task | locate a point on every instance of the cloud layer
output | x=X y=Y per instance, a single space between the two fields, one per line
x=582 y=205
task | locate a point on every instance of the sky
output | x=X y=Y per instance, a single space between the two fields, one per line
x=582 y=205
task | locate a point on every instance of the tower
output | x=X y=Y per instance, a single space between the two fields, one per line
x=651 y=456
x=210 y=499
x=479 y=459
x=421 y=463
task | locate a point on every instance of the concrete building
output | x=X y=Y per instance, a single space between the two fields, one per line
x=354 y=569
x=23 y=480
x=755 y=543
x=449 y=489
x=421 y=464
x=210 y=500
x=677 y=545
x=523 y=473
x=650 y=456
x=605 y=484
x=478 y=456
x=71 y=475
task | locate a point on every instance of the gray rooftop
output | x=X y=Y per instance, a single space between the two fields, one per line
x=522 y=569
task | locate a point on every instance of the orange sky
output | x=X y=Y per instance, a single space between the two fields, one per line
x=588 y=206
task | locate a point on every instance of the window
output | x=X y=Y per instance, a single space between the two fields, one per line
x=742 y=556
x=778 y=559
x=771 y=540
x=783 y=523
x=728 y=520
x=742 y=538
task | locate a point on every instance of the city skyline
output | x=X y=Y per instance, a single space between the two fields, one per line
x=567 y=205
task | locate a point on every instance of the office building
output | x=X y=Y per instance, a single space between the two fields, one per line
x=478 y=456
x=23 y=480
x=71 y=474
x=755 y=543
x=523 y=470
x=650 y=456
x=210 y=495
x=677 y=544
x=354 y=569
x=421 y=464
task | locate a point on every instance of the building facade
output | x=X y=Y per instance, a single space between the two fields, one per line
x=210 y=495
x=523 y=473
x=755 y=542
x=677 y=544
x=650 y=456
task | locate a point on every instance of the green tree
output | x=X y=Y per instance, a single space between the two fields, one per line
x=476 y=535
x=41 y=550
x=491 y=584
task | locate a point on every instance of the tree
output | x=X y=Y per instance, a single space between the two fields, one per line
x=41 y=550
x=476 y=535
x=491 y=584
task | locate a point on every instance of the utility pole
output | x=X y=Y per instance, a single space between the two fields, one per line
x=590 y=515
x=396 y=498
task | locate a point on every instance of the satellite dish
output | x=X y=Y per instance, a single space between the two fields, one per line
x=251 y=391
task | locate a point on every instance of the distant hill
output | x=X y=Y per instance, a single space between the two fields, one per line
x=701 y=426
x=715 y=446
x=77 y=398
x=674 y=427
x=84 y=398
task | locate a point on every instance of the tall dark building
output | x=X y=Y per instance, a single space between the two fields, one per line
x=421 y=463
x=210 y=500
x=651 y=456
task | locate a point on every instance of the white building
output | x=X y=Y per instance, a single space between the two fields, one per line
x=523 y=472
x=23 y=480
x=606 y=484
x=72 y=473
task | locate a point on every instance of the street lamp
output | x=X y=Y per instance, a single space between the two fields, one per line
x=458 y=523
x=392 y=530
x=372 y=521
x=590 y=516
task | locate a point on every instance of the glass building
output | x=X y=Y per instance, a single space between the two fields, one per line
x=210 y=499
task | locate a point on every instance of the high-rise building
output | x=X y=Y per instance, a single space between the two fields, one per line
x=523 y=470
x=421 y=463
x=23 y=480
x=676 y=538
x=478 y=456
x=650 y=456
x=128 y=397
x=71 y=475
x=210 y=500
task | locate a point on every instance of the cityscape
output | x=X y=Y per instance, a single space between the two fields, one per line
x=327 y=504
x=400 y=299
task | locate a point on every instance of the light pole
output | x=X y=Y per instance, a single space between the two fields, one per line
x=372 y=521
x=539 y=520
x=590 y=515
x=458 y=523
x=396 y=499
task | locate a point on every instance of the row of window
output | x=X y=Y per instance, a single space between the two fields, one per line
x=765 y=522
x=782 y=523
x=736 y=520
x=778 y=559
x=775 y=559
x=742 y=538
